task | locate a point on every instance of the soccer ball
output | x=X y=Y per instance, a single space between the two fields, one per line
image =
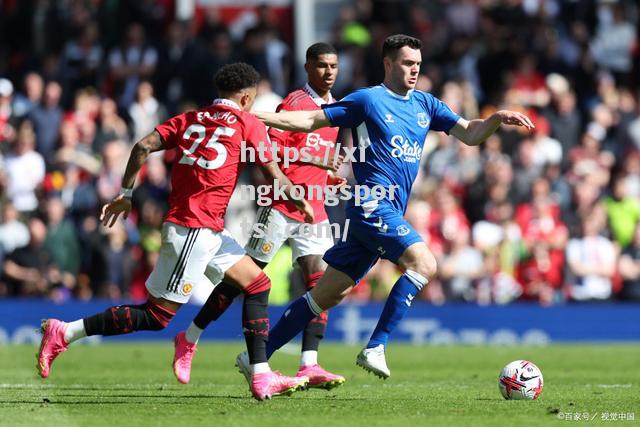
x=520 y=380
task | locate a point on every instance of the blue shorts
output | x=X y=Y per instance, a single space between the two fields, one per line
x=385 y=234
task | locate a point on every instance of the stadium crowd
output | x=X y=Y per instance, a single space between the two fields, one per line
x=551 y=216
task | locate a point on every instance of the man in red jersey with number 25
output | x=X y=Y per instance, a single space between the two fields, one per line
x=281 y=221
x=194 y=241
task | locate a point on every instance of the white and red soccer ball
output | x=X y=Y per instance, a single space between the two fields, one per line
x=520 y=380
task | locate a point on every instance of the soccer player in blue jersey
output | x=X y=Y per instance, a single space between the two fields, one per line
x=389 y=122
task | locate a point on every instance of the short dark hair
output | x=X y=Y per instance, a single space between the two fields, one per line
x=317 y=49
x=394 y=43
x=235 y=77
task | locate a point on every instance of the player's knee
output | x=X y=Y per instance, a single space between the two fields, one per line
x=259 y=285
x=428 y=266
x=425 y=265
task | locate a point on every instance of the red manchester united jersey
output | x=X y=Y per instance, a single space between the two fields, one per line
x=209 y=160
x=318 y=142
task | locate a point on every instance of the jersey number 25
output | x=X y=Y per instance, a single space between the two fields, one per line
x=189 y=158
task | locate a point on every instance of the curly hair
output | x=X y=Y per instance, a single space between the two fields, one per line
x=235 y=77
x=394 y=43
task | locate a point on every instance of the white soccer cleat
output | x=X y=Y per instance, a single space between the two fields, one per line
x=373 y=360
x=244 y=366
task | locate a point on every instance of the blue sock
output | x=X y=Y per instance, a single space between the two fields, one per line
x=293 y=321
x=398 y=302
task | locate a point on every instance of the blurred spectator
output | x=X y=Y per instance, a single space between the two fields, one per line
x=528 y=86
x=446 y=219
x=110 y=125
x=589 y=159
x=23 y=103
x=218 y=52
x=592 y=261
x=266 y=98
x=623 y=213
x=72 y=152
x=146 y=112
x=61 y=241
x=154 y=186
x=545 y=149
x=175 y=65
x=25 y=170
x=564 y=120
x=30 y=271
x=460 y=267
x=46 y=118
x=544 y=237
x=78 y=192
x=560 y=190
x=129 y=63
x=631 y=170
x=528 y=170
x=6 y=110
x=13 y=233
x=614 y=38
x=81 y=59
x=119 y=263
x=255 y=52
x=500 y=241
x=629 y=266
x=110 y=175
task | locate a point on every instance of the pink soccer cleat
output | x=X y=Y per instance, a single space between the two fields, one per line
x=320 y=378
x=182 y=358
x=268 y=384
x=52 y=345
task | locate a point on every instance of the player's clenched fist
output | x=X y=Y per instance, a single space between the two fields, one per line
x=112 y=210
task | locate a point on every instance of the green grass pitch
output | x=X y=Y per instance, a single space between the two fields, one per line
x=132 y=384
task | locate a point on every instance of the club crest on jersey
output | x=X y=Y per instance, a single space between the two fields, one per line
x=266 y=248
x=402 y=230
x=423 y=120
x=186 y=288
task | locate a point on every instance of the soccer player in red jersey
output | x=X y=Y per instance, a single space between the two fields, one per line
x=194 y=241
x=281 y=221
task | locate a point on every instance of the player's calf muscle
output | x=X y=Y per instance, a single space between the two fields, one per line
x=331 y=289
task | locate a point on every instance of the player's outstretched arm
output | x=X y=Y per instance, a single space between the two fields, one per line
x=139 y=154
x=295 y=121
x=272 y=170
x=476 y=131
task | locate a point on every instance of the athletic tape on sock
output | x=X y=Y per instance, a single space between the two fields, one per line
x=315 y=308
x=418 y=280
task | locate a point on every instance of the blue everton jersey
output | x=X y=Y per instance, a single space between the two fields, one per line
x=392 y=130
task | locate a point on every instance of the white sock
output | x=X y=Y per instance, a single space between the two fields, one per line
x=309 y=358
x=75 y=331
x=260 y=368
x=193 y=333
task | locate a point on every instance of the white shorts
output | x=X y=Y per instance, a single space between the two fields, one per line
x=276 y=228
x=186 y=255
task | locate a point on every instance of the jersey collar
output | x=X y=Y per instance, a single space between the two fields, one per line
x=315 y=97
x=395 y=95
x=227 y=102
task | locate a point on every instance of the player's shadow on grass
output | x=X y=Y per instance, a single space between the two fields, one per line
x=155 y=396
x=177 y=400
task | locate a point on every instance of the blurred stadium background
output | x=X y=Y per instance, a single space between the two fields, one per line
x=536 y=235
